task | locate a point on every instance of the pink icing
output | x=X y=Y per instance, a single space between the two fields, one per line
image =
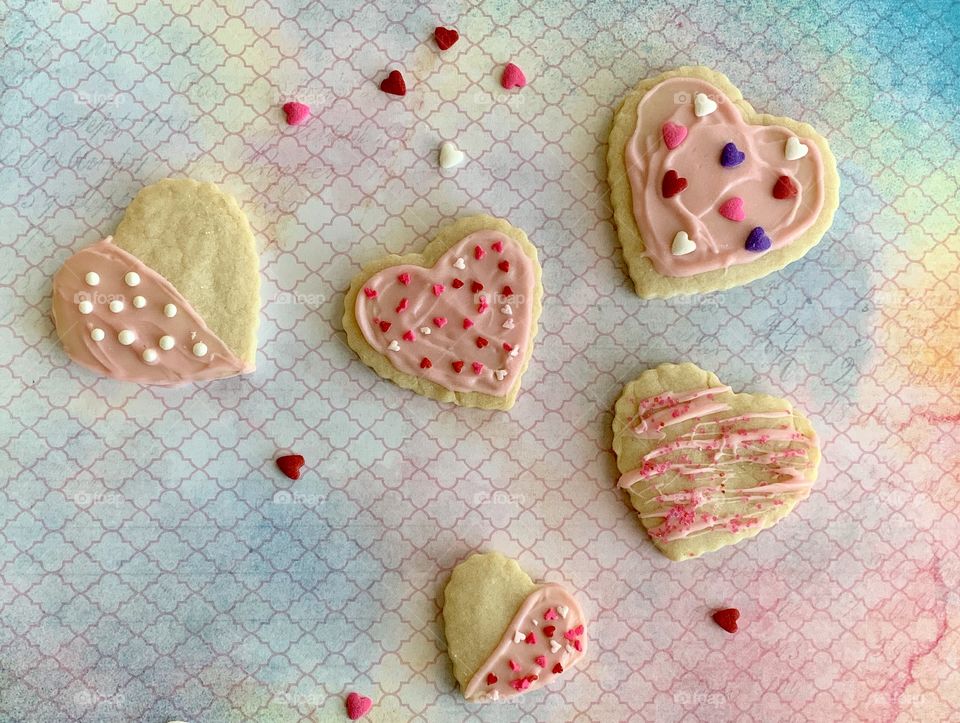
x=481 y=322
x=526 y=665
x=125 y=362
x=708 y=455
x=720 y=241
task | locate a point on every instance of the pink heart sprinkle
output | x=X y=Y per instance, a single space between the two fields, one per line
x=478 y=253
x=550 y=614
x=513 y=77
x=370 y=293
x=477 y=367
x=732 y=208
x=438 y=289
x=296 y=113
x=673 y=134
x=404 y=279
x=514 y=666
x=541 y=660
x=440 y=321
x=467 y=323
x=409 y=335
x=497 y=246
x=358 y=706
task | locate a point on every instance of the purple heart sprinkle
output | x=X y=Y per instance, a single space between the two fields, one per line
x=731 y=156
x=758 y=240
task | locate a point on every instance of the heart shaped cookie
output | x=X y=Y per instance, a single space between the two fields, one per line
x=706 y=467
x=693 y=124
x=455 y=323
x=507 y=635
x=172 y=297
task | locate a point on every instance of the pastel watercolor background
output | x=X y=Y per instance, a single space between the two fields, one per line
x=154 y=564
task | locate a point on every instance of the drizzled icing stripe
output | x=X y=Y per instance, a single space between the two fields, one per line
x=710 y=462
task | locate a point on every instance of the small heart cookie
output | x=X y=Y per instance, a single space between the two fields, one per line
x=706 y=467
x=692 y=123
x=507 y=635
x=172 y=297
x=455 y=323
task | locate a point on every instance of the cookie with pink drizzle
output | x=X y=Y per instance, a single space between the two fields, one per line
x=172 y=298
x=706 y=467
x=506 y=634
x=709 y=194
x=455 y=323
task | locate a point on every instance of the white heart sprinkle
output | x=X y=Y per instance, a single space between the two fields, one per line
x=508 y=324
x=424 y=329
x=554 y=646
x=495 y=695
x=682 y=244
x=794 y=150
x=703 y=105
x=563 y=610
x=460 y=263
x=500 y=374
x=519 y=637
x=536 y=622
x=394 y=345
x=515 y=351
x=450 y=155
x=506 y=310
x=570 y=650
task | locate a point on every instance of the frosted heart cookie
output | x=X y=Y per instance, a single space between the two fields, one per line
x=506 y=634
x=172 y=297
x=455 y=323
x=709 y=194
x=706 y=467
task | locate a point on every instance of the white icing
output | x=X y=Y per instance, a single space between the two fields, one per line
x=85 y=307
x=131 y=278
x=199 y=349
x=92 y=278
x=116 y=306
x=126 y=337
x=139 y=302
x=166 y=342
x=97 y=334
x=170 y=311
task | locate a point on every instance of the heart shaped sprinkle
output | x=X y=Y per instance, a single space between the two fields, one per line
x=794 y=150
x=491 y=679
x=512 y=77
x=549 y=630
x=732 y=209
x=541 y=660
x=394 y=84
x=290 y=465
x=758 y=240
x=445 y=37
x=450 y=155
x=440 y=321
x=673 y=134
x=683 y=244
x=296 y=113
x=425 y=363
x=672 y=184
x=785 y=188
x=727 y=619
x=457 y=366
x=358 y=706
x=703 y=105
x=731 y=156
x=384 y=325
x=404 y=279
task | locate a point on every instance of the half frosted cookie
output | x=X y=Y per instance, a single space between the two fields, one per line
x=455 y=323
x=706 y=467
x=172 y=297
x=708 y=193
x=506 y=634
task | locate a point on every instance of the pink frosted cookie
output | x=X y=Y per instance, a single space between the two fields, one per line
x=708 y=193
x=706 y=467
x=507 y=635
x=172 y=297
x=455 y=323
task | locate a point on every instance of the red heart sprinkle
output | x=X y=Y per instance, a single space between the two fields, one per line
x=727 y=619
x=507 y=291
x=296 y=113
x=477 y=367
x=557 y=669
x=497 y=246
x=425 y=363
x=440 y=321
x=541 y=660
x=549 y=631
x=785 y=188
x=514 y=666
x=504 y=266
x=483 y=305
x=438 y=289
x=491 y=679
x=371 y=293
x=394 y=84
x=507 y=347
x=290 y=465
x=457 y=283
x=404 y=278
x=385 y=326
x=481 y=342
x=577 y=645
x=358 y=706
x=531 y=638
x=458 y=366
x=467 y=323
x=445 y=37
x=672 y=184
x=408 y=335
x=476 y=286
x=478 y=253
x=512 y=77
x=402 y=306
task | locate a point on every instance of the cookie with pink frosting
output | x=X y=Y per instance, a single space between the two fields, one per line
x=506 y=634
x=707 y=192
x=456 y=322
x=172 y=297
x=706 y=467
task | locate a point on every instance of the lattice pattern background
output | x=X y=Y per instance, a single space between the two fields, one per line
x=155 y=565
